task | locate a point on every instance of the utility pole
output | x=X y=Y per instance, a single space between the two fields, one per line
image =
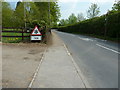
x=105 y=26
x=49 y=13
x=106 y=20
x=25 y=13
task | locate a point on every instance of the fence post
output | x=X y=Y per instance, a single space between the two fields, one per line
x=22 y=34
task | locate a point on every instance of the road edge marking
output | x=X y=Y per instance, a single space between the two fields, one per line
x=36 y=71
x=81 y=76
x=85 y=39
x=108 y=48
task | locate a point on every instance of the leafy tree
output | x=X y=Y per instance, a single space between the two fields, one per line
x=7 y=15
x=55 y=12
x=44 y=12
x=72 y=19
x=93 y=11
x=30 y=13
x=0 y=14
x=116 y=6
x=80 y=17
x=19 y=16
x=63 y=22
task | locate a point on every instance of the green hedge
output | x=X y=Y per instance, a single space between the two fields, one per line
x=97 y=26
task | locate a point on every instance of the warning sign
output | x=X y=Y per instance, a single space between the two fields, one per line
x=36 y=34
x=36 y=31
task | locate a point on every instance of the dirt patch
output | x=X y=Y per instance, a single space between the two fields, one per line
x=19 y=62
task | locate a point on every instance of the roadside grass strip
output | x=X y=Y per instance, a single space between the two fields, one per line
x=13 y=39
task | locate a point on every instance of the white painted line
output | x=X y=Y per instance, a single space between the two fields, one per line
x=85 y=82
x=36 y=72
x=108 y=48
x=104 y=40
x=72 y=35
x=85 y=39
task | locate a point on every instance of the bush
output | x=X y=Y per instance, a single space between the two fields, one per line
x=97 y=26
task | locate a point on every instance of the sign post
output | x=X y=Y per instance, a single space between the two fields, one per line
x=36 y=34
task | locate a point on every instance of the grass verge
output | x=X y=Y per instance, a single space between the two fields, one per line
x=14 y=39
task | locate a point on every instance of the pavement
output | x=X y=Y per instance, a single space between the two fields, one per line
x=57 y=69
x=0 y=65
x=97 y=58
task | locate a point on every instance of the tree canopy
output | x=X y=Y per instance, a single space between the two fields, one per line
x=93 y=11
x=116 y=6
x=29 y=13
x=80 y=17
x=72 y=19
x=7 y=14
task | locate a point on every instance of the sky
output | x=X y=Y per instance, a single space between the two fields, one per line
x=81 y=7
x=67 y=7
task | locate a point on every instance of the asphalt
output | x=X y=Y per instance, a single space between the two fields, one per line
x=96 y=58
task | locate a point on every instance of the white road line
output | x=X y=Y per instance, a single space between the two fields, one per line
x=85 y=39
x=85 y=82
x=72 y=35
x=108 y=49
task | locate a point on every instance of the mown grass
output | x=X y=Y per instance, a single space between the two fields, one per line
x=14 y=34
x=12 y=29
x=14 y=39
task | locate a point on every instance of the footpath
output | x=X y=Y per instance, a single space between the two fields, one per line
x=56 y=70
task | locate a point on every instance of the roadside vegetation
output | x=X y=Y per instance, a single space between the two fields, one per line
x=104 y=26
x=27 y=15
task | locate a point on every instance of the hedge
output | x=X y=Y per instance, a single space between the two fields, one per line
x=97 y=26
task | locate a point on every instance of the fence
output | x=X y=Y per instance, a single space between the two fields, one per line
x=11 y=32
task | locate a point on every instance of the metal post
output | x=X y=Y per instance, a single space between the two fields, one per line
x=22 y=34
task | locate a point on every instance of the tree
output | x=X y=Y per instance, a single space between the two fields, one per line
x=80 y=17
x=45 y=16
x=63 y=22
x=32 y=14
x=19 y=17
x=7 y=15
x=0 y=14
x=72 y=19
x=29 y=13
x=93 y=11
x=116 y=6
x=55 y=13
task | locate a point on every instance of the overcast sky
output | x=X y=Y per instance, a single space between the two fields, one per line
x=78 y=6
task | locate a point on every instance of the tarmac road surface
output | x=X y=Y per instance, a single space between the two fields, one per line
x=97 y=59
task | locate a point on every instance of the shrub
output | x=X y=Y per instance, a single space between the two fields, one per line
x=97 y=26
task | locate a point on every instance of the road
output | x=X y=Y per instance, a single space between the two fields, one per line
x=96 y=58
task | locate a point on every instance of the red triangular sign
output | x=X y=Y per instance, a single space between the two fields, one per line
x=36 y=31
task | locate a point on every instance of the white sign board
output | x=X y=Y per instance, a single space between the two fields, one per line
x=36 y=37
